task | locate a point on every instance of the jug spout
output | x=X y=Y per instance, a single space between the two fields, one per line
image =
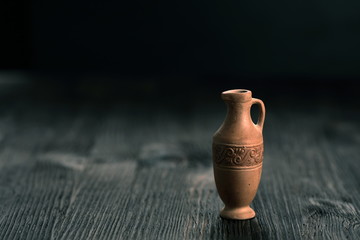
x=237 y=95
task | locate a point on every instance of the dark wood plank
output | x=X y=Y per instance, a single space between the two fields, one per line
x=138 y=171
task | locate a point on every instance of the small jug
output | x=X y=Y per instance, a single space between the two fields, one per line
x=238 y=154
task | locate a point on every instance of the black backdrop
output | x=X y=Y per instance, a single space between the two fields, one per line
x=288 y=43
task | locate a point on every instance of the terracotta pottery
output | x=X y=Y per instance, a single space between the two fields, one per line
x=238 y=154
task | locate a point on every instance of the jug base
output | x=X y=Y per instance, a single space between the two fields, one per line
x=238 y=213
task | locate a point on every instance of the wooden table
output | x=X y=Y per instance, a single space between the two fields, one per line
x=143 y=170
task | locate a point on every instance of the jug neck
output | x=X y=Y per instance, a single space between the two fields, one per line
x=238 y=107
x=238 y=111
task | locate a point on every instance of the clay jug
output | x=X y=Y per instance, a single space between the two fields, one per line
x=238 y=154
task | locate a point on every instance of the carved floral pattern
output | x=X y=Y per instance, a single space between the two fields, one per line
x=237 y=156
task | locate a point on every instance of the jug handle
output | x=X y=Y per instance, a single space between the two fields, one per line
x=261 y=118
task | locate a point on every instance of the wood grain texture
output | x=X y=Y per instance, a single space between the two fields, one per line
x=138 y=171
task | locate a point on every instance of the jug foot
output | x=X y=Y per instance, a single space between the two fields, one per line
x=238 y=213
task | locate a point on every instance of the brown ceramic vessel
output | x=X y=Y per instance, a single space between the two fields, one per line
x=238 y=154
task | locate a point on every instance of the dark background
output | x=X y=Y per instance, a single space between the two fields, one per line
x=109 y=48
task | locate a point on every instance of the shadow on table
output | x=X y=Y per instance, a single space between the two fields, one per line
x=230 y=229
